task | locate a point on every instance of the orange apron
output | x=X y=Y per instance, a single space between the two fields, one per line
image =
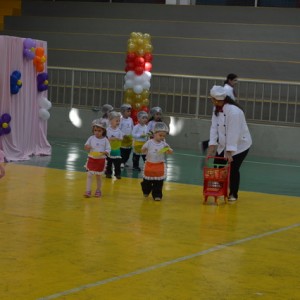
x=154 y=171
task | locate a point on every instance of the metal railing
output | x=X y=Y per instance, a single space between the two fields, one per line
x=268 y=102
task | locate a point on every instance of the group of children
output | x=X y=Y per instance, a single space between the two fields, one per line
x=114 y=138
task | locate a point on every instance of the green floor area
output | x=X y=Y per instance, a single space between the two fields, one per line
x=184 y=166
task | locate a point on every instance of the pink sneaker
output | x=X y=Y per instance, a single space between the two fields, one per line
x=98 y=194
x=88 y=194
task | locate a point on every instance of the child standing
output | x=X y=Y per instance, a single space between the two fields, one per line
x=155 y=116
x=98 y=147
x=140 y=136
x=155 y=166
x=106 y=109
x=115 y=137
x=126 y=126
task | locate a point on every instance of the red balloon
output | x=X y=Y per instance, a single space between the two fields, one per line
x=130 y=66
x=148 y=66
x=145 y=108
x=139 y=61
x=148 y=57
x=134 y=113
x=131 y=56
x=138 y=70
x=39 y=67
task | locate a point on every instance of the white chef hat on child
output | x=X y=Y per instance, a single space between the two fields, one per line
x=218 y=92
x=160 y=126
x=125 y=107
x=142 y=114
x=106 y=108
x=155 y=110
x=113 y=115
x=99 y=123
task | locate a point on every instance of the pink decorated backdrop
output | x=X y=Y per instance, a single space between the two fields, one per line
x=28 y=134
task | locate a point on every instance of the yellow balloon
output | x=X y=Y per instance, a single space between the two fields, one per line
x=145 y=94
x=140 y=42
x=138 y=98
x=19 y=82
x=131 y=47
x=148 y=48
x=140 y=52
x=145 y=102
x=133 y=35
x=147 y=36
x=129 y=93
x=136 y=105
x=4 y=125
x=128 y=100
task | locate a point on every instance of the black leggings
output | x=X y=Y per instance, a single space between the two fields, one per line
x=234 y=170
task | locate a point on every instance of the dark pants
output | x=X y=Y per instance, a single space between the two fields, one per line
x=136 y=160
x=116 y=162
x=154 y=186
x=234 y=171
x=125 y=153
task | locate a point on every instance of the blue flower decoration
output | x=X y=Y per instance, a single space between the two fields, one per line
x=15 y=82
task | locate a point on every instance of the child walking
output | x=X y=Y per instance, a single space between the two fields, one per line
x=98 y=147
x=115 y=137
x=140 y=136
x=155 y=116
x=155 y=166
x=126 y=126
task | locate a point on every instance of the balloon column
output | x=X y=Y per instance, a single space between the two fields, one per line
x=138 y=72
x=4 y=124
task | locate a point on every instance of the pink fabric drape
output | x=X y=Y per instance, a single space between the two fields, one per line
x=28 y=134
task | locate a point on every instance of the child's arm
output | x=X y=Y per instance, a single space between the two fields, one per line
x=87 y=147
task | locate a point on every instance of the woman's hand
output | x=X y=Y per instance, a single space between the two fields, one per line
x=211 y=151
x=228 y=155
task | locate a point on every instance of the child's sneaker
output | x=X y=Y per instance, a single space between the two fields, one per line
x=88 y=194
x=157 y=199
x=98 y=194
x=146 y=195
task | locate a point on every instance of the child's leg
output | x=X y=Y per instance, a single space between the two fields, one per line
x=144 y=157
x=89 y=179
x=135 y=161
x=125 y=153
x=99 y=185
x=157 y=189
x=146 y=187
x=117 y=165
x=108 y=171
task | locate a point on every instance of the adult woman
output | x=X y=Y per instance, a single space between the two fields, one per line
x=229 y=135
x=229 y=83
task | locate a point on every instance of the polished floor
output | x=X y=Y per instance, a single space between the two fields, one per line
x=55 y=244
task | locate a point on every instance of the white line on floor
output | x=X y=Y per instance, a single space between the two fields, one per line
x=167 y=263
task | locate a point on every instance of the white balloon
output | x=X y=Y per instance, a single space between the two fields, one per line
x=148 y=75
x=129 y=75
x=44 y=114
x=146 y=85
x=138 y=89
x=129 y=84
x=45 y=103
x=138 y=80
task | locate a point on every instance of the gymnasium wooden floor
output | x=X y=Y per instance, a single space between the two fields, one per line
x=55 y=244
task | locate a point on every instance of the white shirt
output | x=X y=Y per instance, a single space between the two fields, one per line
x=126 y=125
x=154 y=147
x=229 y=91
x=139 y=133
x=98 y=145
x=117 y=133
x=229 y=130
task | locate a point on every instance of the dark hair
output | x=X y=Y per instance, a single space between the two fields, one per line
x=229 y=101
x=230 y=76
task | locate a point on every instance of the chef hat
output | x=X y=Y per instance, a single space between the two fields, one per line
x=218 y=92
x=113 y=114
x=106 y=108
x=125 y=107
x=155 y=110
x=142 y=114
x=160 y=126
x=99 y=123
